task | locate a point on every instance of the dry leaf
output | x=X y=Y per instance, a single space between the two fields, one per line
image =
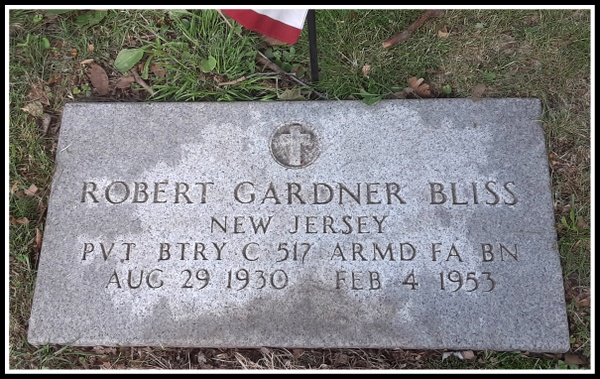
x=158 y=70
x=15 y=187
x=74 y=53
x=478 y=91
x=99 y=79
x=54 y=79
x=413 y=82
x=34 y=108
x=91 y=47
x=265 y=350
x=124 y=82
x=424 y=90
x=573 y=359
x=468 y=355
x=86 y=61
x=366 y=69
x=31 y=190
x=18 y=221
x=297 y=353
x=38 y=238
x=106 y=364
x=38 y=92
x=420 y=88
x=584 y=302
x=46 y=120
x=444 y=33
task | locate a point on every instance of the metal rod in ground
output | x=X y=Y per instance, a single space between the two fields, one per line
x=312 y=46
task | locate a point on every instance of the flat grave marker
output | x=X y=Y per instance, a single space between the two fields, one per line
x=415 y=224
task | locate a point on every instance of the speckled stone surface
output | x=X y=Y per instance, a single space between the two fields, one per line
x=416 y=224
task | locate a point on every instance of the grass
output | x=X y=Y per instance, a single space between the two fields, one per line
x=509 y=53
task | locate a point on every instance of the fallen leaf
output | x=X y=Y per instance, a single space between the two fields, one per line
x=91 y=47
x=55 y=79
x=38 y=238
x=106 y=364
x=38 y=92
x=573 y=359
x=46 y=120
x=366 y=69
x=201 y=357
x=31 y=190
x=421 y=89
x=15 y=187
x=124 y=82
x=265 y=350
x=34 y=108
x=291 y=94
x=424 y=90
x=208 y=64
x=128 y=58
x=18 y=221
x=297 y=353
x=478 y=92
x=74 y=53
x=468 y=355
x=86 y=61
x=99 y=79
x=414 y=82
x=443 y=33
x=91 y=18
x=158 y=70
x=584 y=302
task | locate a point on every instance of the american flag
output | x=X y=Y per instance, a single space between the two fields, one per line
x=284 y=25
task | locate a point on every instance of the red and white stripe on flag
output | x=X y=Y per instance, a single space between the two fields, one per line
x=284 y=25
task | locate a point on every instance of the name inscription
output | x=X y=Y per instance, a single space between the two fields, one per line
x=490 y=192
x=236 y=276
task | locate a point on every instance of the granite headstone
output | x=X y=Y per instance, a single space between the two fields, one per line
x=415 y=224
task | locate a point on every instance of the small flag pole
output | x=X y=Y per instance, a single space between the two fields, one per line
x=312 y=46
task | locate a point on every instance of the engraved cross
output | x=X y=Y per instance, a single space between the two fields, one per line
x=294 y=140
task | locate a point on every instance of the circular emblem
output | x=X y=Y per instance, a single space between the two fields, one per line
x=294 y=145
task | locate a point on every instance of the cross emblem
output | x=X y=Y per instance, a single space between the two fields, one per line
x=294 y=145
x=294 y=141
